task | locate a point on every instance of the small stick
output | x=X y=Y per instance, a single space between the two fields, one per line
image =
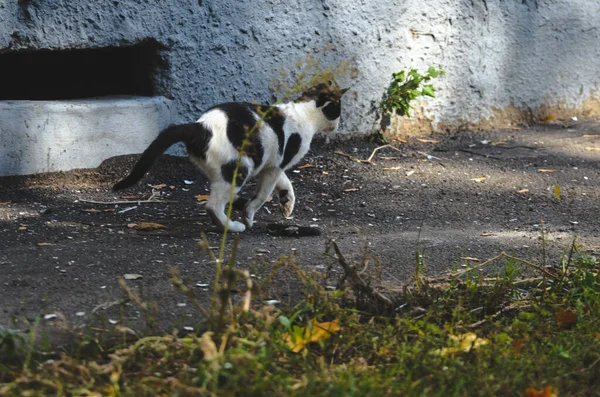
x=127 y=201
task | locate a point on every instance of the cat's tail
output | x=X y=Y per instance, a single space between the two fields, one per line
x=193 y=134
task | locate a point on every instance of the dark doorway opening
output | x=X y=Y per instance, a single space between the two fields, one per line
x=80 y=73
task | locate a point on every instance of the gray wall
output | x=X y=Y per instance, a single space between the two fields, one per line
x=504 y=58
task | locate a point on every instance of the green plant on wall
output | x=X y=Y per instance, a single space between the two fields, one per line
x=406 y=87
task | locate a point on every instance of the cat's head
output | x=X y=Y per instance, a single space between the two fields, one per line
x=328 y=100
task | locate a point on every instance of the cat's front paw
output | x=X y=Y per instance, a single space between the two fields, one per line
x=236 y=227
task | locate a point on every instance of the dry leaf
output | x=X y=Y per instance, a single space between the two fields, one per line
x=597 y=335
x=130 y=197
x=480 y=179
x=566 y=318
x=146 y=226
x=545 y=170
x=523 y=191
x=593 y=149
x=557 y=192
x=400 y=140
x=470 y=258
x=485 y=234
x=547 y=391
x=589 y=136
x=352 y=189
x=325 y=173
x=202 y=197
x=314 y=332
x=23 y=227
x=518 y=344
x=44 y=244
x=498 y=143
x=172 y=187
x=305 y=166
x=391 y=169
x=160 y=186
x=428 y=140
x=550 y=117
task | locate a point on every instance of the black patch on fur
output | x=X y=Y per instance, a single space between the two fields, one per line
x=228 y=169
x=275 y=118
x=332 y=111
x=241 y=122
x=291 y=149
x=283 y=196
x=198 y=138
x=240 y=203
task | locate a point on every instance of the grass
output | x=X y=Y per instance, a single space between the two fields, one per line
x=464 y=334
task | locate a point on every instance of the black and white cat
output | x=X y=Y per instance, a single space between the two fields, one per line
x=275 y=144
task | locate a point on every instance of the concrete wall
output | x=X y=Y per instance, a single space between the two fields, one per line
x=506 y=60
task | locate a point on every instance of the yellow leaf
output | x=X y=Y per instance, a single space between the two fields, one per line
x=480 y=179
x=547 y=391
x=557 y=192
x=202 y=197
x=146 y=226
x=550 y=117
x=545 y=171
x=314 y=332
x=464 y=343
x=428 y=140
x=593 y=149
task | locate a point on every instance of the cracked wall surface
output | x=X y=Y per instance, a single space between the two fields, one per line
x=505 y=59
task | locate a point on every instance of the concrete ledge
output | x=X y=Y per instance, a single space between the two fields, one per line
x=44 y=136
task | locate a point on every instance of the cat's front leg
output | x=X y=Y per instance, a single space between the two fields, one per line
x=266 y=183
x=215 y=207
x=287 y=198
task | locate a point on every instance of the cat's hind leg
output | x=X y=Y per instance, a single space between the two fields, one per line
x=287 y=198
x=220 y=193
x=266 y=183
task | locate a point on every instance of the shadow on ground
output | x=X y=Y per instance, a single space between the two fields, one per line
x=62 y=254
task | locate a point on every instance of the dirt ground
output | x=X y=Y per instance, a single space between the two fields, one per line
x=61 y=254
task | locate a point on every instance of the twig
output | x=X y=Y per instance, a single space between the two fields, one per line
x=357 y=281
x=489 y=156
x=493 y=316
x=127 y=202
x=367 y=161
x=430 y=157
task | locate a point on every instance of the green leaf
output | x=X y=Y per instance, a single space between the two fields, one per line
x=285 y=321
x=429 y=90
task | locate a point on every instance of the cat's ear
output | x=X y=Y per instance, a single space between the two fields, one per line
x=344 y=90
